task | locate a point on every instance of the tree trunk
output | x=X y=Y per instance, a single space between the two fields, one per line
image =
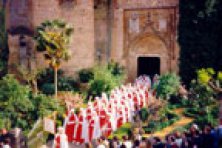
x=35 y=87
x=56 y=81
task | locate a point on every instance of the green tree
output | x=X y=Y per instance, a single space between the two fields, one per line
x=30 y=77
x=14 y=102
x=53 y=38
x=212 y=79
x=200 y=31
x=104 y=80
x=168 y=85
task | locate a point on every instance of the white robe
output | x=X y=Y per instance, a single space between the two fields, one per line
x=85 y=128
x=63 y=141
x=97 y=131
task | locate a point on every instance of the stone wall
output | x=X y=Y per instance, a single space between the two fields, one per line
x=101 y=31
x=78 y=13
x=123 y=30
x=145 y=28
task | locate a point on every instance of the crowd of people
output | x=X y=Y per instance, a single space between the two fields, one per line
x=13 y=138
x=104 y=116
x=208 y=137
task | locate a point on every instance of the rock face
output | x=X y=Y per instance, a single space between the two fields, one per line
x=122 y=30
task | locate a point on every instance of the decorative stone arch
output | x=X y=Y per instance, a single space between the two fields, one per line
x=146 y=45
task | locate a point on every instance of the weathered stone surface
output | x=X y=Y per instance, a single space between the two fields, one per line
x=122 y=30
x=145 y=28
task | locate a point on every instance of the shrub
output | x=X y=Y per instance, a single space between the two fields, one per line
x=85 y=75
x=48 y=88
x=14 y=102
x=200 y=95
x=67 y=84
x=168 y=85
x=104 y=81
x=45 y=105
x=115 y=68
x=144 y=114
x=19 y=108
x=47 y=76
x=46 y=82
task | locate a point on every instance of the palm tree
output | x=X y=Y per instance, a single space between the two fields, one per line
x=53 y=38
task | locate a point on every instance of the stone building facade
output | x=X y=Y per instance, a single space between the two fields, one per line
x=139 y=34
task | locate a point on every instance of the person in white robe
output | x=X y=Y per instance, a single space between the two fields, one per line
x=97 y=131
x=85 y=127
x=61 y=140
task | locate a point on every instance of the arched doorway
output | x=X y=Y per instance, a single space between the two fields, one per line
x=147 y=54
x=148 y=66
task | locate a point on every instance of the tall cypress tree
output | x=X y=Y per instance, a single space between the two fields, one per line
x=199 y=36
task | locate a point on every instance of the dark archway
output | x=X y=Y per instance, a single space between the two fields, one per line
x=148 y=66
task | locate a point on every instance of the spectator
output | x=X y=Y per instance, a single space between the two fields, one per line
x=148 y=144
x=100 y=143
x=158 y=143
x=123 y=146
x=207 y=138
x=5 y=136
x=195 y=138
x=178 y=139
x=88 y=145
x=136 y=144
x=215 y=136
x=173 y=142
x=105 y=141
x=127 y=142
x=219 y=133
x=6 y=143
x=184 y=140
x=116 y=142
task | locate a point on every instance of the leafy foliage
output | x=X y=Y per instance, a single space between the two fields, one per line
x=85 y=75
x=19 y=108
x=45 y=105
x=104 y=81
x=168 y=85
x=144 y=114
x=48 y=88
x=207 y=75
x=199 y=39
x=200 y=95
x=15 y=103
x=53 y=38
x=46 y=82
x=115 y=68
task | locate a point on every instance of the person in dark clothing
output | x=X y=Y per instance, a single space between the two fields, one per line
x=215 y=136
x=158 y=143
x=207 y=138
x=194 y=138
x=5 y=136
x=136 y=144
